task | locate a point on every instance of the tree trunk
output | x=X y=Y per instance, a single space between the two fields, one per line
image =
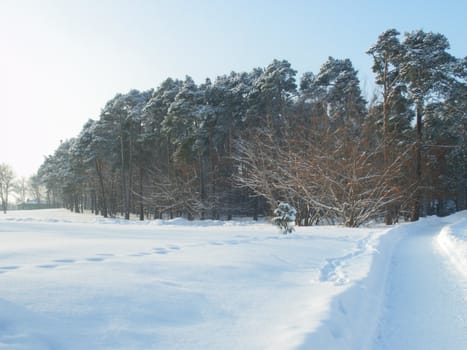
x=388 y=211
x=141 y=203
x=125 y=209
x=415 y=215
x=102 y=188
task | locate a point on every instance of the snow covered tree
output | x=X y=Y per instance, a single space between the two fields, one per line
x=271 y=96
x=445 y=141
x=7 y=176
x=417 y=76
x=425 y=67
x=420 y=68
x=392 y=112
x=96 y=143
x=154 y=113
x=123 y=115
x=284 y=217
x=228 y=97
x=339 y=86
x=180 y=127
x=182 y=118
x=159 y=165
x=36 y=187
x=63 y=173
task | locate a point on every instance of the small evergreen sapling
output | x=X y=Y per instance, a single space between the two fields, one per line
x=284 y=217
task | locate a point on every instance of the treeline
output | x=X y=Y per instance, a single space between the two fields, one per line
x=21 y=188
x=239 y=144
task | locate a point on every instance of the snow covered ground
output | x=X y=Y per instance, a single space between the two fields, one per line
x=425 y=304
x=72 y=281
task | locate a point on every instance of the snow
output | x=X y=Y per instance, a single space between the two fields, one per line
x=425 y=303
x=74 y=281
x=452 y=241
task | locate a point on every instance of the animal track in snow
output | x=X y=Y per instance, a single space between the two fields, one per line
x=65 y=261
x=160 y=250
x=139 y=254
x=47 y=266
x=4 y=269
x=334 y=269
x=97 y=259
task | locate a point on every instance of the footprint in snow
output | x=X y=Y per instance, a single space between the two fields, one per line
x=4 y=269
x=95 y=259
x=136 y=254
x=139 y=254
x=65 y=261
x=47 y=266
x=232 y=242
x=160 y=250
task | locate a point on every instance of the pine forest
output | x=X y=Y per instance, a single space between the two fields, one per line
x=242 y=143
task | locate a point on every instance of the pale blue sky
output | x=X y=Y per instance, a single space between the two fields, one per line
x=62 y=60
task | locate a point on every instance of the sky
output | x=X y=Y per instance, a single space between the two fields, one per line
x=62 y=60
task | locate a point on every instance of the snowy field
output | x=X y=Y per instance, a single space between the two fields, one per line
x=73 y=281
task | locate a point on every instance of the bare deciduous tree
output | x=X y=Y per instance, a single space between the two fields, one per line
x=332 y=176
x=6 y=184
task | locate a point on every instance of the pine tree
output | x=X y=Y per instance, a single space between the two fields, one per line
x=284 y=216
x=426 y=67
x=393 y=110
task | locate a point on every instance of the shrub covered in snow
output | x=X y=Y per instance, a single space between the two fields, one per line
x=284 y=217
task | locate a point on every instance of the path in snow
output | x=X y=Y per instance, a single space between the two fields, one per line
x=426 y=299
